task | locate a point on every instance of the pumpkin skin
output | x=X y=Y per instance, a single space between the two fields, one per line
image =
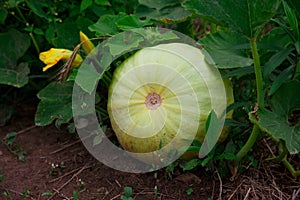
x=158 y=94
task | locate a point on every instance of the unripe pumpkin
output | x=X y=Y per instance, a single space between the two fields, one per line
x=165 y=92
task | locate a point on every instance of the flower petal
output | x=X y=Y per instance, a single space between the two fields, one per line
x=53 y=56
x=87 y=45
x=47 y=67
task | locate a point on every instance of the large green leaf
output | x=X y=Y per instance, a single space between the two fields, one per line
x=132 y=21
x=276 y=40
x=37 y=7
x=3 y=14
x=227 y=49
x=87 y=77
x=67 y=35
x=106 y=25
x=85 y=4
x=163 y=11
x=122 y=43
x=244 y=16
x=56 y=103
x=283 y=122
x=276 y=60
x=13 y=46
x=159 y=4
x=295 y=5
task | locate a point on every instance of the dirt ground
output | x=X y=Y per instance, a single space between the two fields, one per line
x=77 y=175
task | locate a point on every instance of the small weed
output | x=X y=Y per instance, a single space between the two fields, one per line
x=1 y=175
x=75 y=195
x=127 y=194
x=55 y=168
x=156 y=194
x=25 y=193
x=7 y=195
x=189 y=191
x=170 y=169
x=48 y=193
x=14 y=148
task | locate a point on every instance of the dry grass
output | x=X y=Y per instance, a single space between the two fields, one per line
x=270 y=180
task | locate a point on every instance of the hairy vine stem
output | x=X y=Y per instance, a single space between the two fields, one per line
x=260 y=100
x=283 y=152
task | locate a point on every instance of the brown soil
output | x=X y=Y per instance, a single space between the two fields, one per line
x=90 y=179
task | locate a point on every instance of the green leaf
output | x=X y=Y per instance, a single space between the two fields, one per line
x=127 y=191
x=85 y=4
x=292 y=18
x=189 y=191
x=285 y=75
x=37 y=8
x=276 y=61
x=283 y=121
x=97 y=140
x=153 y=36
x=168 y=15
x=87 y=77
x=239 y=72
x=159 y=4
x=247 y=16
x=93 y=68
x=227 y=49
x=13 y=46
x=16 y=76
x=11 y=3
x=122 y=43
x=1 y=177
x=226 y=156
x=213 y=128
x=191 y=164
x=56 y=103
x=83 y=23
x=38 y=31
x=232 y=122
x=48 y=193
x=102 y=2
x=295 y=4
x=189 y=148
x=106 y=25
x=132 y=21
x=11 y=138
x=67 y=35
x=276 y=40
x=3 y=15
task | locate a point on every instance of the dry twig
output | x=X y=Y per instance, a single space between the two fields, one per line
x=67 y=182
x=21 y=131
x=64 y=147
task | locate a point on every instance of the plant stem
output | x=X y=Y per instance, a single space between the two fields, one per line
x=21 y=15
x=260 y=100
x=250 y=142
x=291 y=169
x=283 y=152
x=34 y=42
x=30 y=34
x=213 y=28
x=258 y=73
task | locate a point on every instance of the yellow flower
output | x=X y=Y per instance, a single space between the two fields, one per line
x=53 y=56
x=87 y=45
